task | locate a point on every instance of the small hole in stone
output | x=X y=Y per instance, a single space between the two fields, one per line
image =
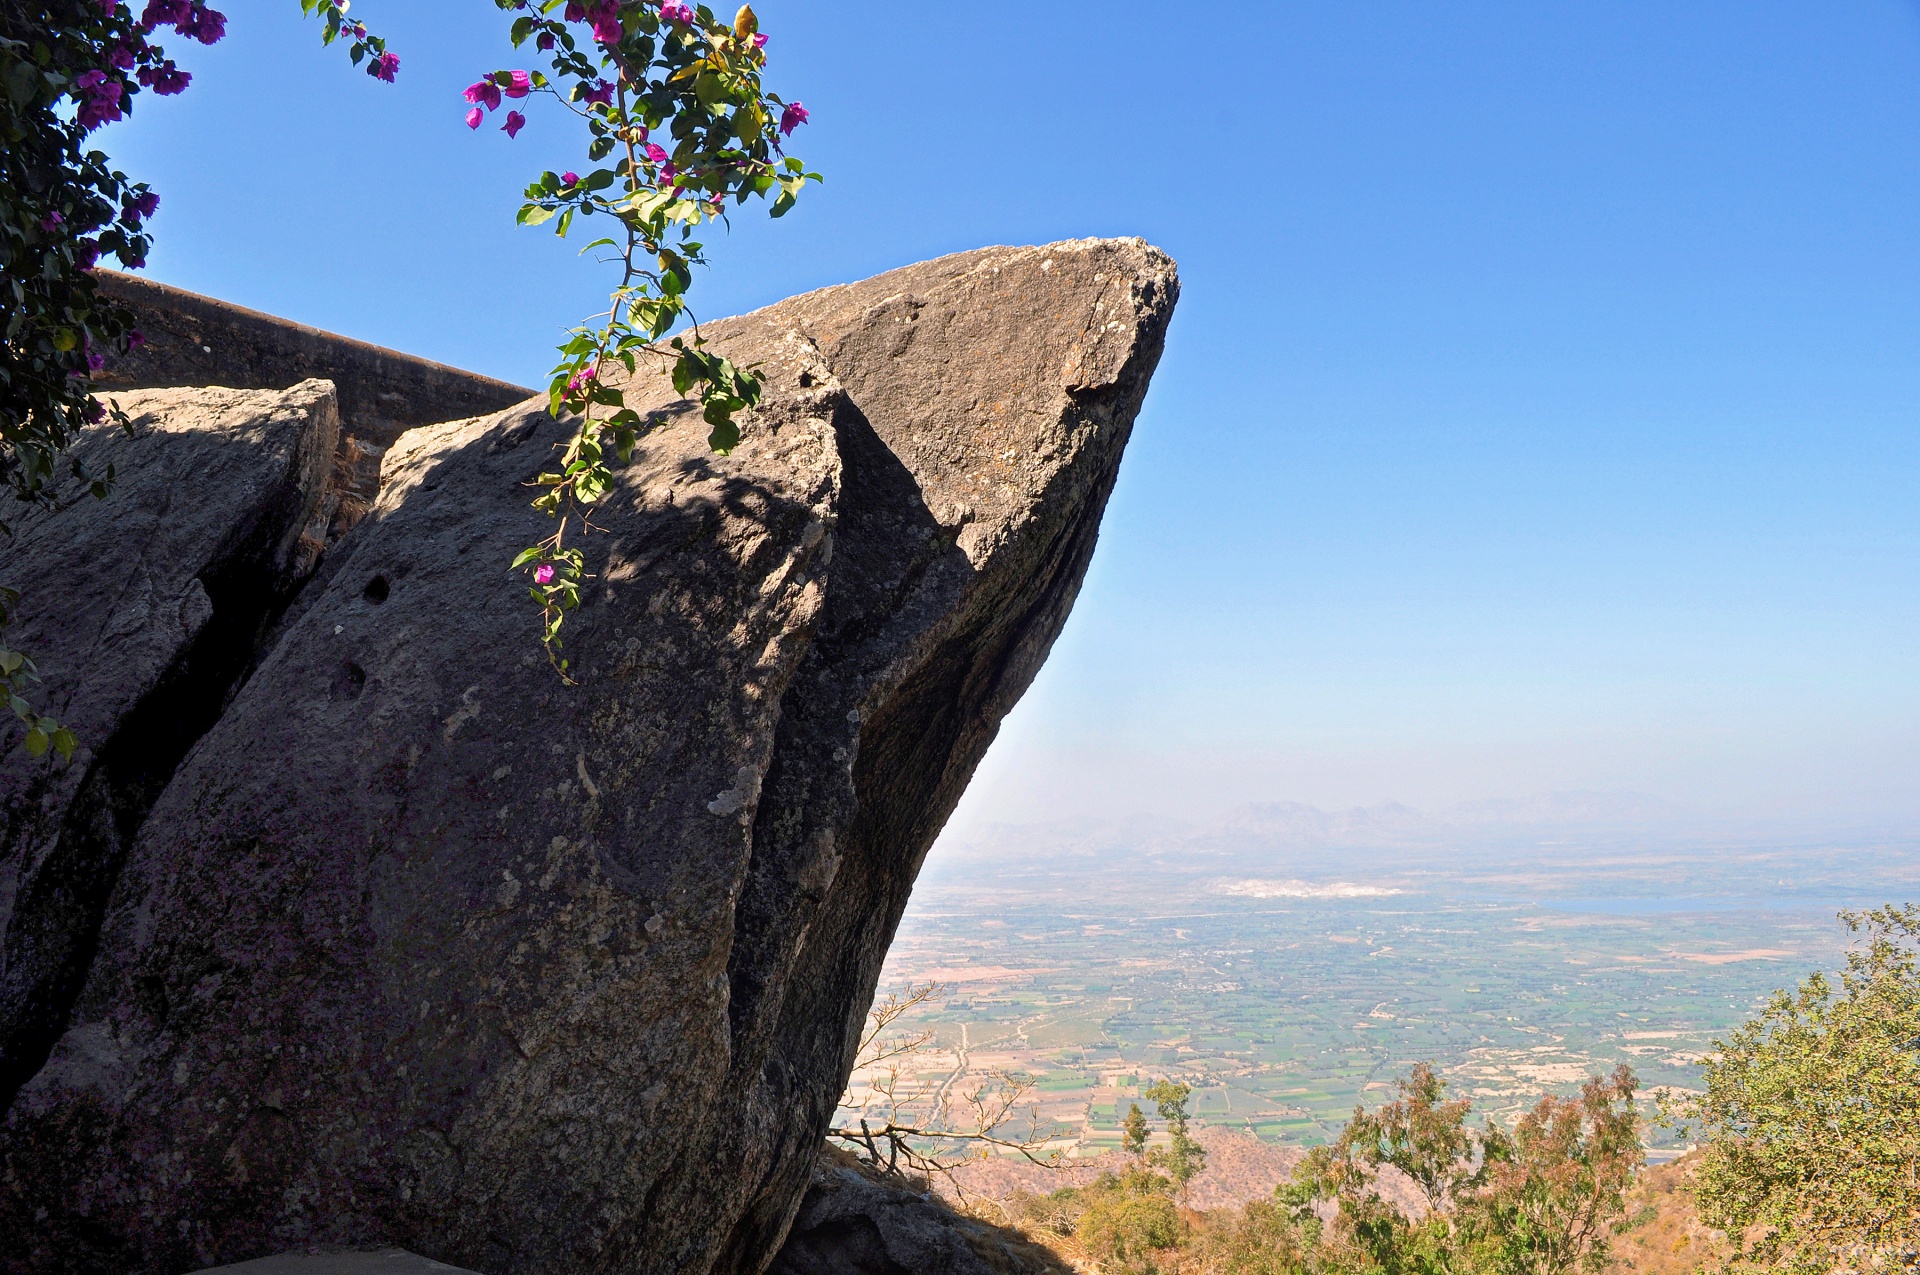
x=376 y=590
x=806 y=380
x=352 y=681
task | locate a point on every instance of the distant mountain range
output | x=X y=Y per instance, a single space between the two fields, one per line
x=1282 y=846
x=1292 y=825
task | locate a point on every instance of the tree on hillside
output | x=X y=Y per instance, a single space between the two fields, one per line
x=1811 y=1115
x=1133 y=1134
x=1182 y=1157
x=1540 y=1200
x=1555 y=1186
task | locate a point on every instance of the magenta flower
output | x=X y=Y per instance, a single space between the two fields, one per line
x=607 y=28
x=95 y=360
x=655 y=155
x=674 y=11
x=52 y=221
x=581 y=379
x=569 y=179
x=121 y=58
x=95 y=412
x=519 y=84
x=759 y=39
x=165 y=78
x=135 y=339
x=205 y=25
x=600 y=92
x=576 y=11
x=668 y=172
x=474 y=117
x=174 y=13
x=144 y=206
x=483 y=93
x=384 y=67
x=545 y=42
x=793 y=117
x=515 y=122
x=85 y=253
x=543 y=573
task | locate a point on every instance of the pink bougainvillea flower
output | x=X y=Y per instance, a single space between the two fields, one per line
x=569 y=179
x=159 y=13
x=543 y=573
x=121 y=57
x=85 y=253
x=668 y=172
x=385 y=67
x=793 y=117
x=519 y=84
x=95 y=360
x=474 y=117
x=600 y=92
x=135 y=339
x=655 y=155
x=515 y=122
x=759 y=39
x=674 y=11
x=576 y=11
x=545 y=42
x=96 y=411
x=483 y=93
x=52 y=221
x=585 y=376
x=205 y=25
x=144 y=206
x=164 y=79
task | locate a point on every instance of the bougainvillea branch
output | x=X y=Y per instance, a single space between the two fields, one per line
x=678 y=124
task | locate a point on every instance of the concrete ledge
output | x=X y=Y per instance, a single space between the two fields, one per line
x=196 y=340
x=387 y=1261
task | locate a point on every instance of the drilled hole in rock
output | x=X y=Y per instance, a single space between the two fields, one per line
x=352 y=681
x=376 y=590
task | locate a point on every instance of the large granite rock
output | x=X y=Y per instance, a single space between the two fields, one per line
x=423 y=947
x=141 y=612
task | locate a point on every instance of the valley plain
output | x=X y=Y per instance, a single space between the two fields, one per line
x=1292 y=964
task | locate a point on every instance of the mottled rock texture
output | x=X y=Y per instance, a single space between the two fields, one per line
x=141 y=612
x=423 y=947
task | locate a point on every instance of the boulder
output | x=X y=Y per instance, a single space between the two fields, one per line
x=855 y=1222
x=141 y=612
x=427 y=945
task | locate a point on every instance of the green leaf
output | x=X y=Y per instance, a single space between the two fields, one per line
x=724 y=438
x=37 y=742
x=64 y=742
x=535 y=214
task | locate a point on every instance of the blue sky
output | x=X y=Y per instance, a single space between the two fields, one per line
x=1540 y=413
